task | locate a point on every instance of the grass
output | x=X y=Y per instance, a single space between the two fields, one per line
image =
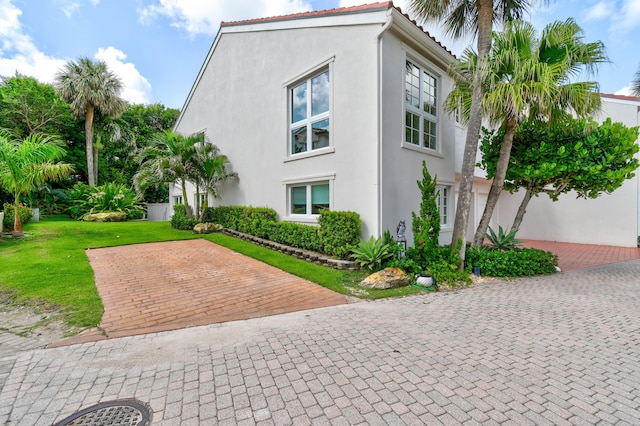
x=49 y=268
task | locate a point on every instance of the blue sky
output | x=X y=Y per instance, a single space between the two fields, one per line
x=158 y=46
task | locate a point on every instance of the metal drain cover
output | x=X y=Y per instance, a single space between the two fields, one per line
x=114 y=413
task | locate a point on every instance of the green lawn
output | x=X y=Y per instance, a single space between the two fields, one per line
x=49 y=268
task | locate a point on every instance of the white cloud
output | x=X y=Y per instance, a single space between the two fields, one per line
x=197 y=17
x=18 y=52
x=628 y=18
x=625 y=91
x=137 y=89
x=598 y=11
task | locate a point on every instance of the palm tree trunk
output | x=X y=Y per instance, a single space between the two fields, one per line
x=95 y=163
x=521 y=211
x=498 y=182
x=17 y=224
x=88 y=132
x=463 y=206
x=184 y=199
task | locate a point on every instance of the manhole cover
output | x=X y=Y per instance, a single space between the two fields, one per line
x=114 y=413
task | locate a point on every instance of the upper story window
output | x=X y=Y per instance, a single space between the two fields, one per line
x=421 y=110
x=310 y=108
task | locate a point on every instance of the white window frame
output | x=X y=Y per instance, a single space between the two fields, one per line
x=324 y=67
x=307 y=182
x=421 y=114
x=444 y=201
x=177 y=199
x=309 y=200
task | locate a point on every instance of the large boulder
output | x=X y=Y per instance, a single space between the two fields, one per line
x=207 y=228
x=385 y=279
x=105 y=217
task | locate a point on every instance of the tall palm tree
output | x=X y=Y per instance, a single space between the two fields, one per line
x=635 y=84
x=476 y=18
x=27 y=164
x=208 y=170
x=90 y=87
x=167 y=160
x=529 y=77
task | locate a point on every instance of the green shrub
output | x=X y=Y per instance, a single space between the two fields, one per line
x=110 y=197
x=179 y=220
x=250 y=220
x=24 y=212
x=294 y=235
x=372 y=254
x=339 y=232
x=513 y=263
x=448 y=274
x=502 y=240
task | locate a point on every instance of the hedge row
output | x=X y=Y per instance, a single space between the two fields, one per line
x=513 y=263
x=336 y=234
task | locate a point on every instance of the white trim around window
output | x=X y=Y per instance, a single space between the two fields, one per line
x=309 y=112
x=422 y=107
x=445 y=203
x=307 y=196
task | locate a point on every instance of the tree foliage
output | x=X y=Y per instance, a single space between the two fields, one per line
x=568 y=155
x=426 y=224
x=635 y=84
x=26 y=164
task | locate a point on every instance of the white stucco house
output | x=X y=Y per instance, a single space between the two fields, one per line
x=332 y=109
x=339 y=108
x=611 y=219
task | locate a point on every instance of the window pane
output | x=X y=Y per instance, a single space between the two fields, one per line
x=319 y=198
x=429 y=134
x=412 y=85
x=299 y=103
x=428 y=93
x=299 y=140
x=320 y=94
x=412 y=127
x=320 y=132
x=299 y=200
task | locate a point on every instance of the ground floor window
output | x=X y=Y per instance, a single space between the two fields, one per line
x=443 y=204
x=177 y=199
x=309 y=199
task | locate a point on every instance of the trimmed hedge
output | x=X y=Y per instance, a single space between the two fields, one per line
x=337 y=234
x=513 y=263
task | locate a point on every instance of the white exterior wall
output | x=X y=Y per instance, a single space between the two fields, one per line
x=241 y=103
x=401 y=162
x=611 y=219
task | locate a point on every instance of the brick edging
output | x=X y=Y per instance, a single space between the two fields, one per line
x=296 y=252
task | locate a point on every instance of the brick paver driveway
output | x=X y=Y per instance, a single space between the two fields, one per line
x=558 y=350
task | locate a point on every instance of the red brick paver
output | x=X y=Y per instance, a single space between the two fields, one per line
x=165 y=286
x=578 y=256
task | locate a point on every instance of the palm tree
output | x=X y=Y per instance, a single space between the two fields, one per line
x=27 y=164
x=167 y=160
x=635 y=84
x=90 y=87
x=529 y=77
x=208 y=170
x=470 y=17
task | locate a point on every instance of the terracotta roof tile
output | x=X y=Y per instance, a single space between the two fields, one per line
x=333 y=12
x=622 y=97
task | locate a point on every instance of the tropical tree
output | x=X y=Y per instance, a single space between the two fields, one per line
x=90 y=87
x=476 y=18
x=167 y=160
x=565 y=155
x=207 y=169
x=27 y=164
x=529 y=77
x=635 y=84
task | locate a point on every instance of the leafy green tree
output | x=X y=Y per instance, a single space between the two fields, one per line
x=167 y=160
x=27 y=164
x=476 y=18
x=529 y=77
x=568 y=155
x=90 y=87
x=28 y=107
x=426 y=224
x=635 y=84
x=208 y=170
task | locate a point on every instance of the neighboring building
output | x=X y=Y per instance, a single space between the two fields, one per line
x=611 y=219
x=333 y=109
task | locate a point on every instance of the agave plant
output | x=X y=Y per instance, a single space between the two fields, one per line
x=502 y=241
x=371 y=254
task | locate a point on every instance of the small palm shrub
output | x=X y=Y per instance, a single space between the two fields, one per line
x=110 y=197
x=502 y=240
x=372 y=254
x=180 y=220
